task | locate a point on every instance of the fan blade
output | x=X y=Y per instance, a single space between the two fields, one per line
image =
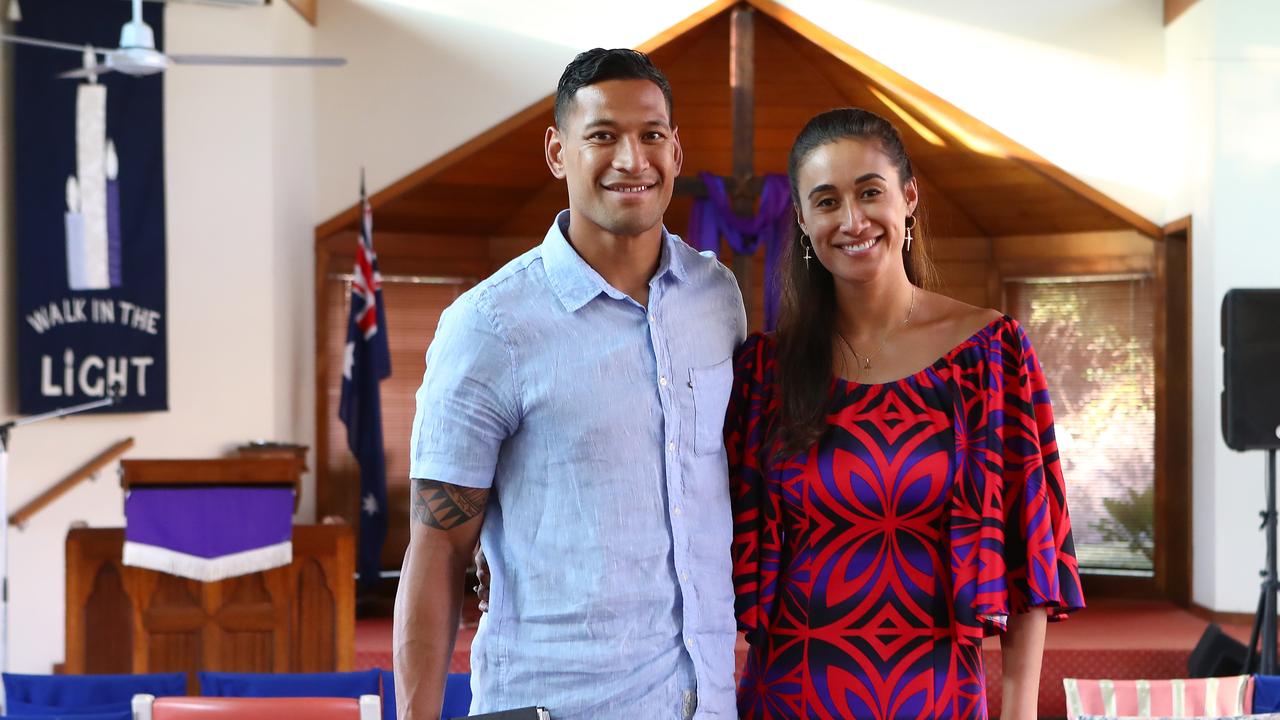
x=37 y=42
x=86 y=72
x=268 y=60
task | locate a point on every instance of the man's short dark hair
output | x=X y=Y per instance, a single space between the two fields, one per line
x=598 y=65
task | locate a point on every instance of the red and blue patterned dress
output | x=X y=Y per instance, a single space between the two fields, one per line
x=869 y=568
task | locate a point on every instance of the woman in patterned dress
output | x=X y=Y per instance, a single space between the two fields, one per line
x=897 y=489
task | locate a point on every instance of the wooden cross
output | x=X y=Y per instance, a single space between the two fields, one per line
x=743 y=186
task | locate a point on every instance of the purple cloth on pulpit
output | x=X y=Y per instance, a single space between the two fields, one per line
x=713 y=218
x=208 y=533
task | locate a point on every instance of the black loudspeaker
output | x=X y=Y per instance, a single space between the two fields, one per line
x=1251 y=391
x=1217 y=655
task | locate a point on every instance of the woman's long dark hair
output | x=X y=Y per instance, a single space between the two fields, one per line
x=807 y=317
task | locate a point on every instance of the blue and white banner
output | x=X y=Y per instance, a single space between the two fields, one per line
x=90 y=205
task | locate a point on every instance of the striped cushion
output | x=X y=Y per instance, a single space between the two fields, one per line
x=1204 y=697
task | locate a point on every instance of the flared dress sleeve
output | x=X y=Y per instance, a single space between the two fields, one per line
x=757 y=526
x=1010 y=533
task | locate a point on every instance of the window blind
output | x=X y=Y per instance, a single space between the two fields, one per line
x=1094 y=338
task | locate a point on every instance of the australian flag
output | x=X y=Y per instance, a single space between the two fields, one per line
x=366 y=361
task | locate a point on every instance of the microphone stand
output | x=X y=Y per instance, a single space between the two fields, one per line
x=5 y=427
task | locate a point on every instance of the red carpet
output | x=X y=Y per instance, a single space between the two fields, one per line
x=1112 y=639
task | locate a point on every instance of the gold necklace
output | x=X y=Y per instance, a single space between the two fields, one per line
x=864 y=362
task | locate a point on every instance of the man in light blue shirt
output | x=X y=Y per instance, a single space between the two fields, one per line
x=571 y=417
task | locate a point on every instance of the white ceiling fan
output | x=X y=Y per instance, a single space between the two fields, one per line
x=137 y=54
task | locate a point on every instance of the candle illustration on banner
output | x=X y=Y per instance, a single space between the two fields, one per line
x=114 y=261
x=75 y=236
x=93 y=225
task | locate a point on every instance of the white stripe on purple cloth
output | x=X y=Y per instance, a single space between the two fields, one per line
x=202 y=532
x=207 y=569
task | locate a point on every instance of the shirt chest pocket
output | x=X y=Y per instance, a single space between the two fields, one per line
x=710 y=386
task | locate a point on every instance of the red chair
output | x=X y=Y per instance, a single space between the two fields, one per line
x=149 y=707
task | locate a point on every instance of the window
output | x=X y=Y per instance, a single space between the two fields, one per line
x=1094 y=337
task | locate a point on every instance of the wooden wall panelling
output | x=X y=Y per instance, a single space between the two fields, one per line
x=506 y=248
x=1068 y=254
x=995 y=289
x=963 y=265
x=1099 y=244
x=950 y=247
x=437 y=255
x=940 y=216
x=534 y=217
x=413 y=311
x=1069 y=267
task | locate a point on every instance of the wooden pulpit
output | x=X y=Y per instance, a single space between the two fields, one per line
x=297 y=618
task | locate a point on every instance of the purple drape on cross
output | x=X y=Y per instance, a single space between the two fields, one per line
x=713 y=218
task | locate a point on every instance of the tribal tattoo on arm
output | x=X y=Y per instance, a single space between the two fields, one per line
x=441 y=505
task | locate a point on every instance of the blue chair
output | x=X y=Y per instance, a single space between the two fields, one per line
x=334 y=684
x=123 y=715
x=457 y=696
x=81 y=695
x=1266 y=693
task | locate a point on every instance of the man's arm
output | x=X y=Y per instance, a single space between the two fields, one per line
x=445 y=526
x=1021 y=649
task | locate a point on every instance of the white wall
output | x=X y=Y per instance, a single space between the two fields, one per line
x=240 y=165
x=418 y=84
x=1224 y=63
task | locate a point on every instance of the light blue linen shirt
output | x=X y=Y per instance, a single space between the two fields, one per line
x=597 y=423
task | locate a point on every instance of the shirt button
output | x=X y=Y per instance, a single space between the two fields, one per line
x=652 y=319
x=671 y=446
x=662 y=381
x=688 y=642
x=676 y=510
x=684 y=576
